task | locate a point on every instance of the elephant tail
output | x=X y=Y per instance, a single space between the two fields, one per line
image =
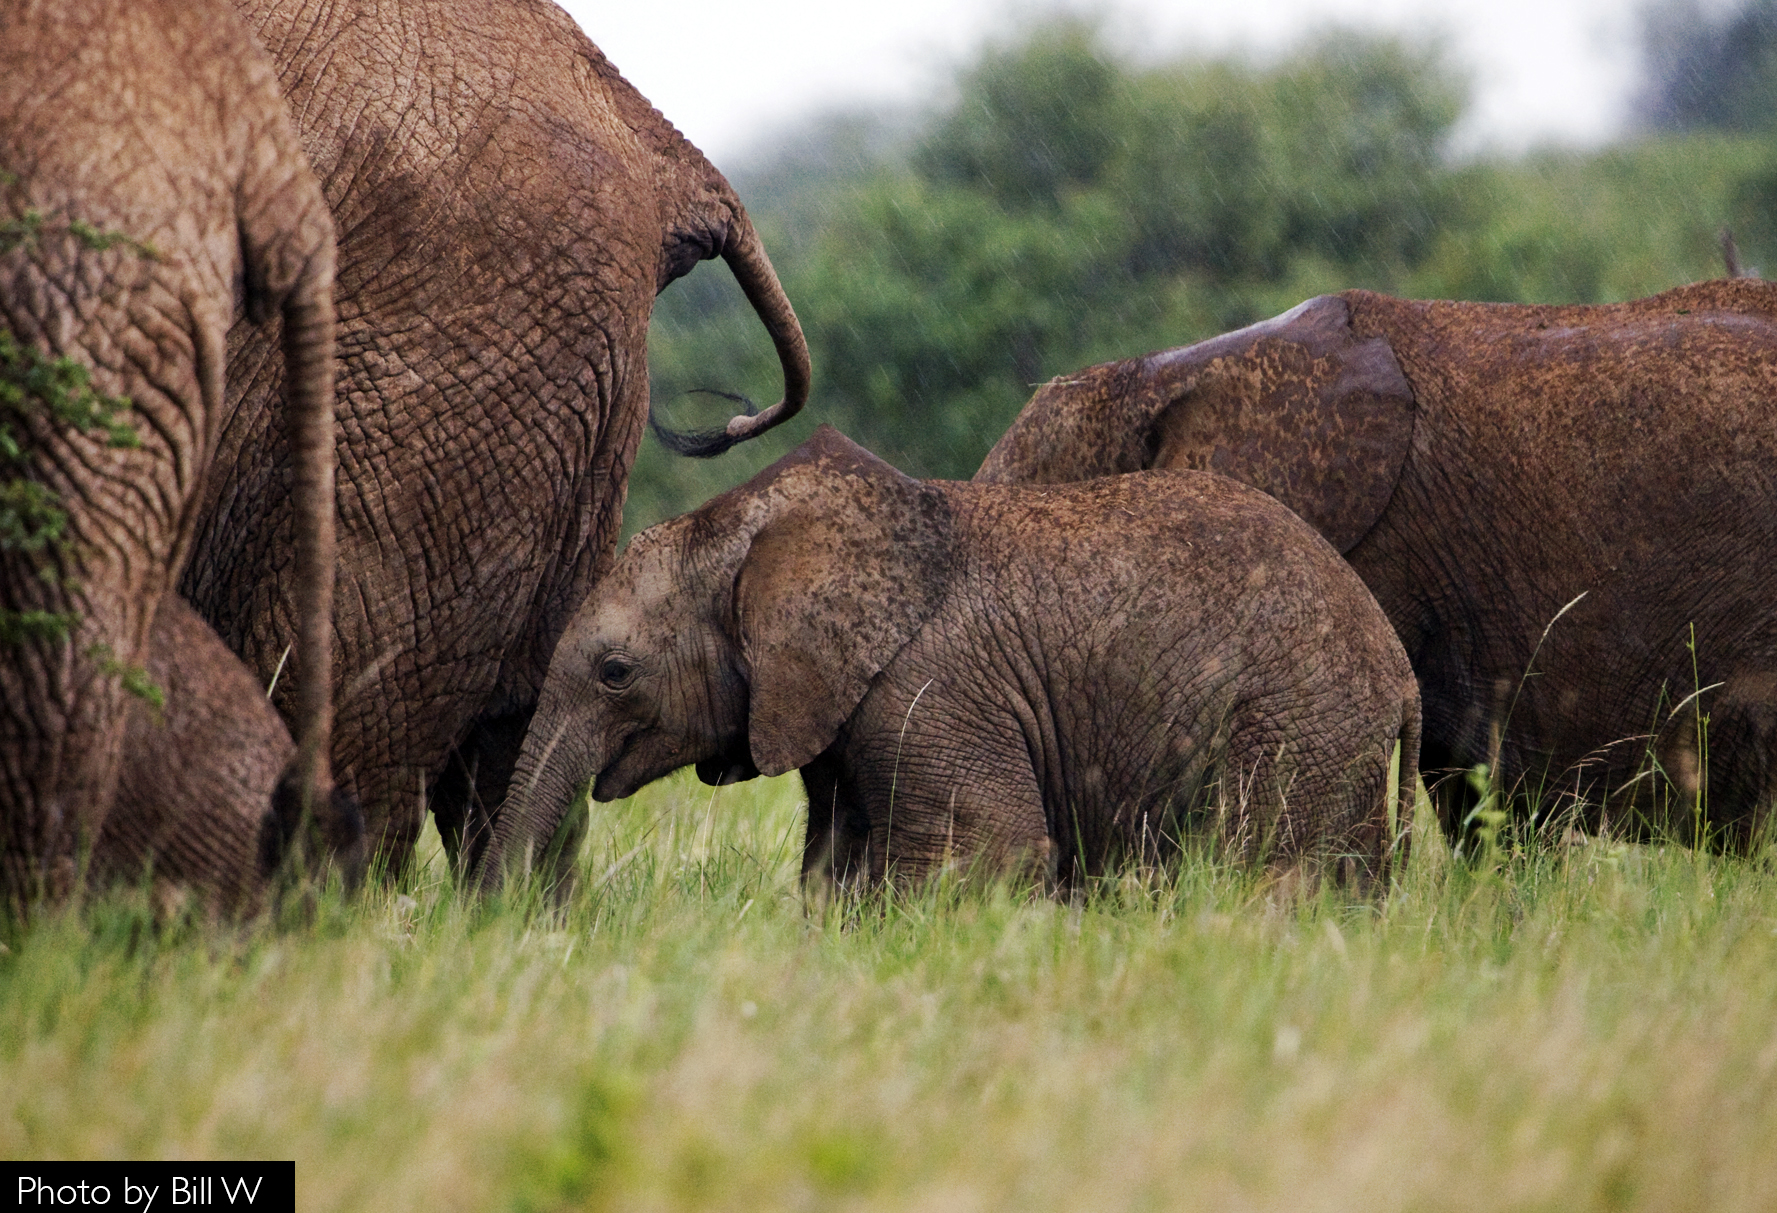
x=308 y=353
x=746 y=259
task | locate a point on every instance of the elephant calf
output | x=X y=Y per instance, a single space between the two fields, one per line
x=1051 y=676
x=207 y=804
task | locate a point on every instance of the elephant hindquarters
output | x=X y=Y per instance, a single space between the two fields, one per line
x=1318 y=795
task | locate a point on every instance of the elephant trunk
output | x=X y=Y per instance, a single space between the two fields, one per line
x=308 y=359
x=750 y=266
x=550 y=768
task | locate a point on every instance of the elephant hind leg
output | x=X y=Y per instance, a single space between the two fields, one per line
x=1316 y=809
x=1720 y=776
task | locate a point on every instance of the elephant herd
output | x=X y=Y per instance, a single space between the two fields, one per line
x=288 y=288
x=446 y=222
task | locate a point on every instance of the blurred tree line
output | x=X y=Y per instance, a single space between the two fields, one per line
x=1070 y=206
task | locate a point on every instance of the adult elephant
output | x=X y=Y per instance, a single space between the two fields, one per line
x=1568 y=513
x=147 y=167
x=508 y=208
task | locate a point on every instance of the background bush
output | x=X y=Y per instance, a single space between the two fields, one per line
x=1065 y=205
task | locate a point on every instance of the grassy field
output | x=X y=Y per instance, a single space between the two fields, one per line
x=1590 y=1026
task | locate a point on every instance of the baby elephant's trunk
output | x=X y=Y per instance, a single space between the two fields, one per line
x=550 y=770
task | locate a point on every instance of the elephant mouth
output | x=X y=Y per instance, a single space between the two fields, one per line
x=611 y=784
x=622 y=777
x=733 y=765
x=638 y=763
x=613 y=781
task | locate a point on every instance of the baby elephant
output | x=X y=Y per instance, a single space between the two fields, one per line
x=1040 y=678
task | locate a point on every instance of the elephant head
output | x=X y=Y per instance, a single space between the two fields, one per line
x=1299 y=406
x=739 y=637
x=509 y=207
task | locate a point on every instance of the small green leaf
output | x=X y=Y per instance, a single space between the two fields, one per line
x=27 y=627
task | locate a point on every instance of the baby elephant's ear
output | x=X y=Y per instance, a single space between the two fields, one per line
x=830 y=591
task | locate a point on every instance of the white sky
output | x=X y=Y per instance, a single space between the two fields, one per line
x=731 y=75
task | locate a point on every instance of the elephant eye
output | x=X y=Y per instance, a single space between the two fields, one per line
x=617 y=671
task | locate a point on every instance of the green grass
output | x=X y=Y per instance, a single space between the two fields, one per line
x=1587 y=1027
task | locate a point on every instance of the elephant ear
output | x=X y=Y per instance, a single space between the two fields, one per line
x=1299 y=406
x=852 y=559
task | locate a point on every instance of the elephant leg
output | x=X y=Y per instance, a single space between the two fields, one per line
x=208 y=800
x=465 y=794
x=1333 y=817
x=987 y=820
x=1725 y=760
x=1446 y=781
x=835 y=853
x=63 y=711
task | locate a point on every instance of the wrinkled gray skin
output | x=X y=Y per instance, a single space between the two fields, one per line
x=160 y=121
x=1043 y=679
x=1482 y=466
x=508 y=208
x=202 y=812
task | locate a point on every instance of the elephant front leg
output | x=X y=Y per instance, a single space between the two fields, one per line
x=835 y=852
x=982 y=820
x=466 y=794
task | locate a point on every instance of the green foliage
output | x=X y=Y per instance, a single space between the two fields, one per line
x=31 y=516
x=1621 y=223
x=22 y=232
x=33 y=521
x=1710 y=71
x=1487 y=819
x=35 y=627
x=135 y=679
x=27 y=232
x=100 y=239
x=32 y=382
x=1035 y=120
x=1069 y=206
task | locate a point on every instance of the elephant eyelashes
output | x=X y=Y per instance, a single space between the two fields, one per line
x=617 y=672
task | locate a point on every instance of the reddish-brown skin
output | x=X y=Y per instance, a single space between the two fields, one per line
x=508 y=208
x=159 y=120
x=1053 y=677
x=1482 y=466
x=193 y=806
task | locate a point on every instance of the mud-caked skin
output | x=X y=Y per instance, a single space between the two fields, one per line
x=508 y=208
x=1049 y=678
x=1482 y=466
x=147 y=168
